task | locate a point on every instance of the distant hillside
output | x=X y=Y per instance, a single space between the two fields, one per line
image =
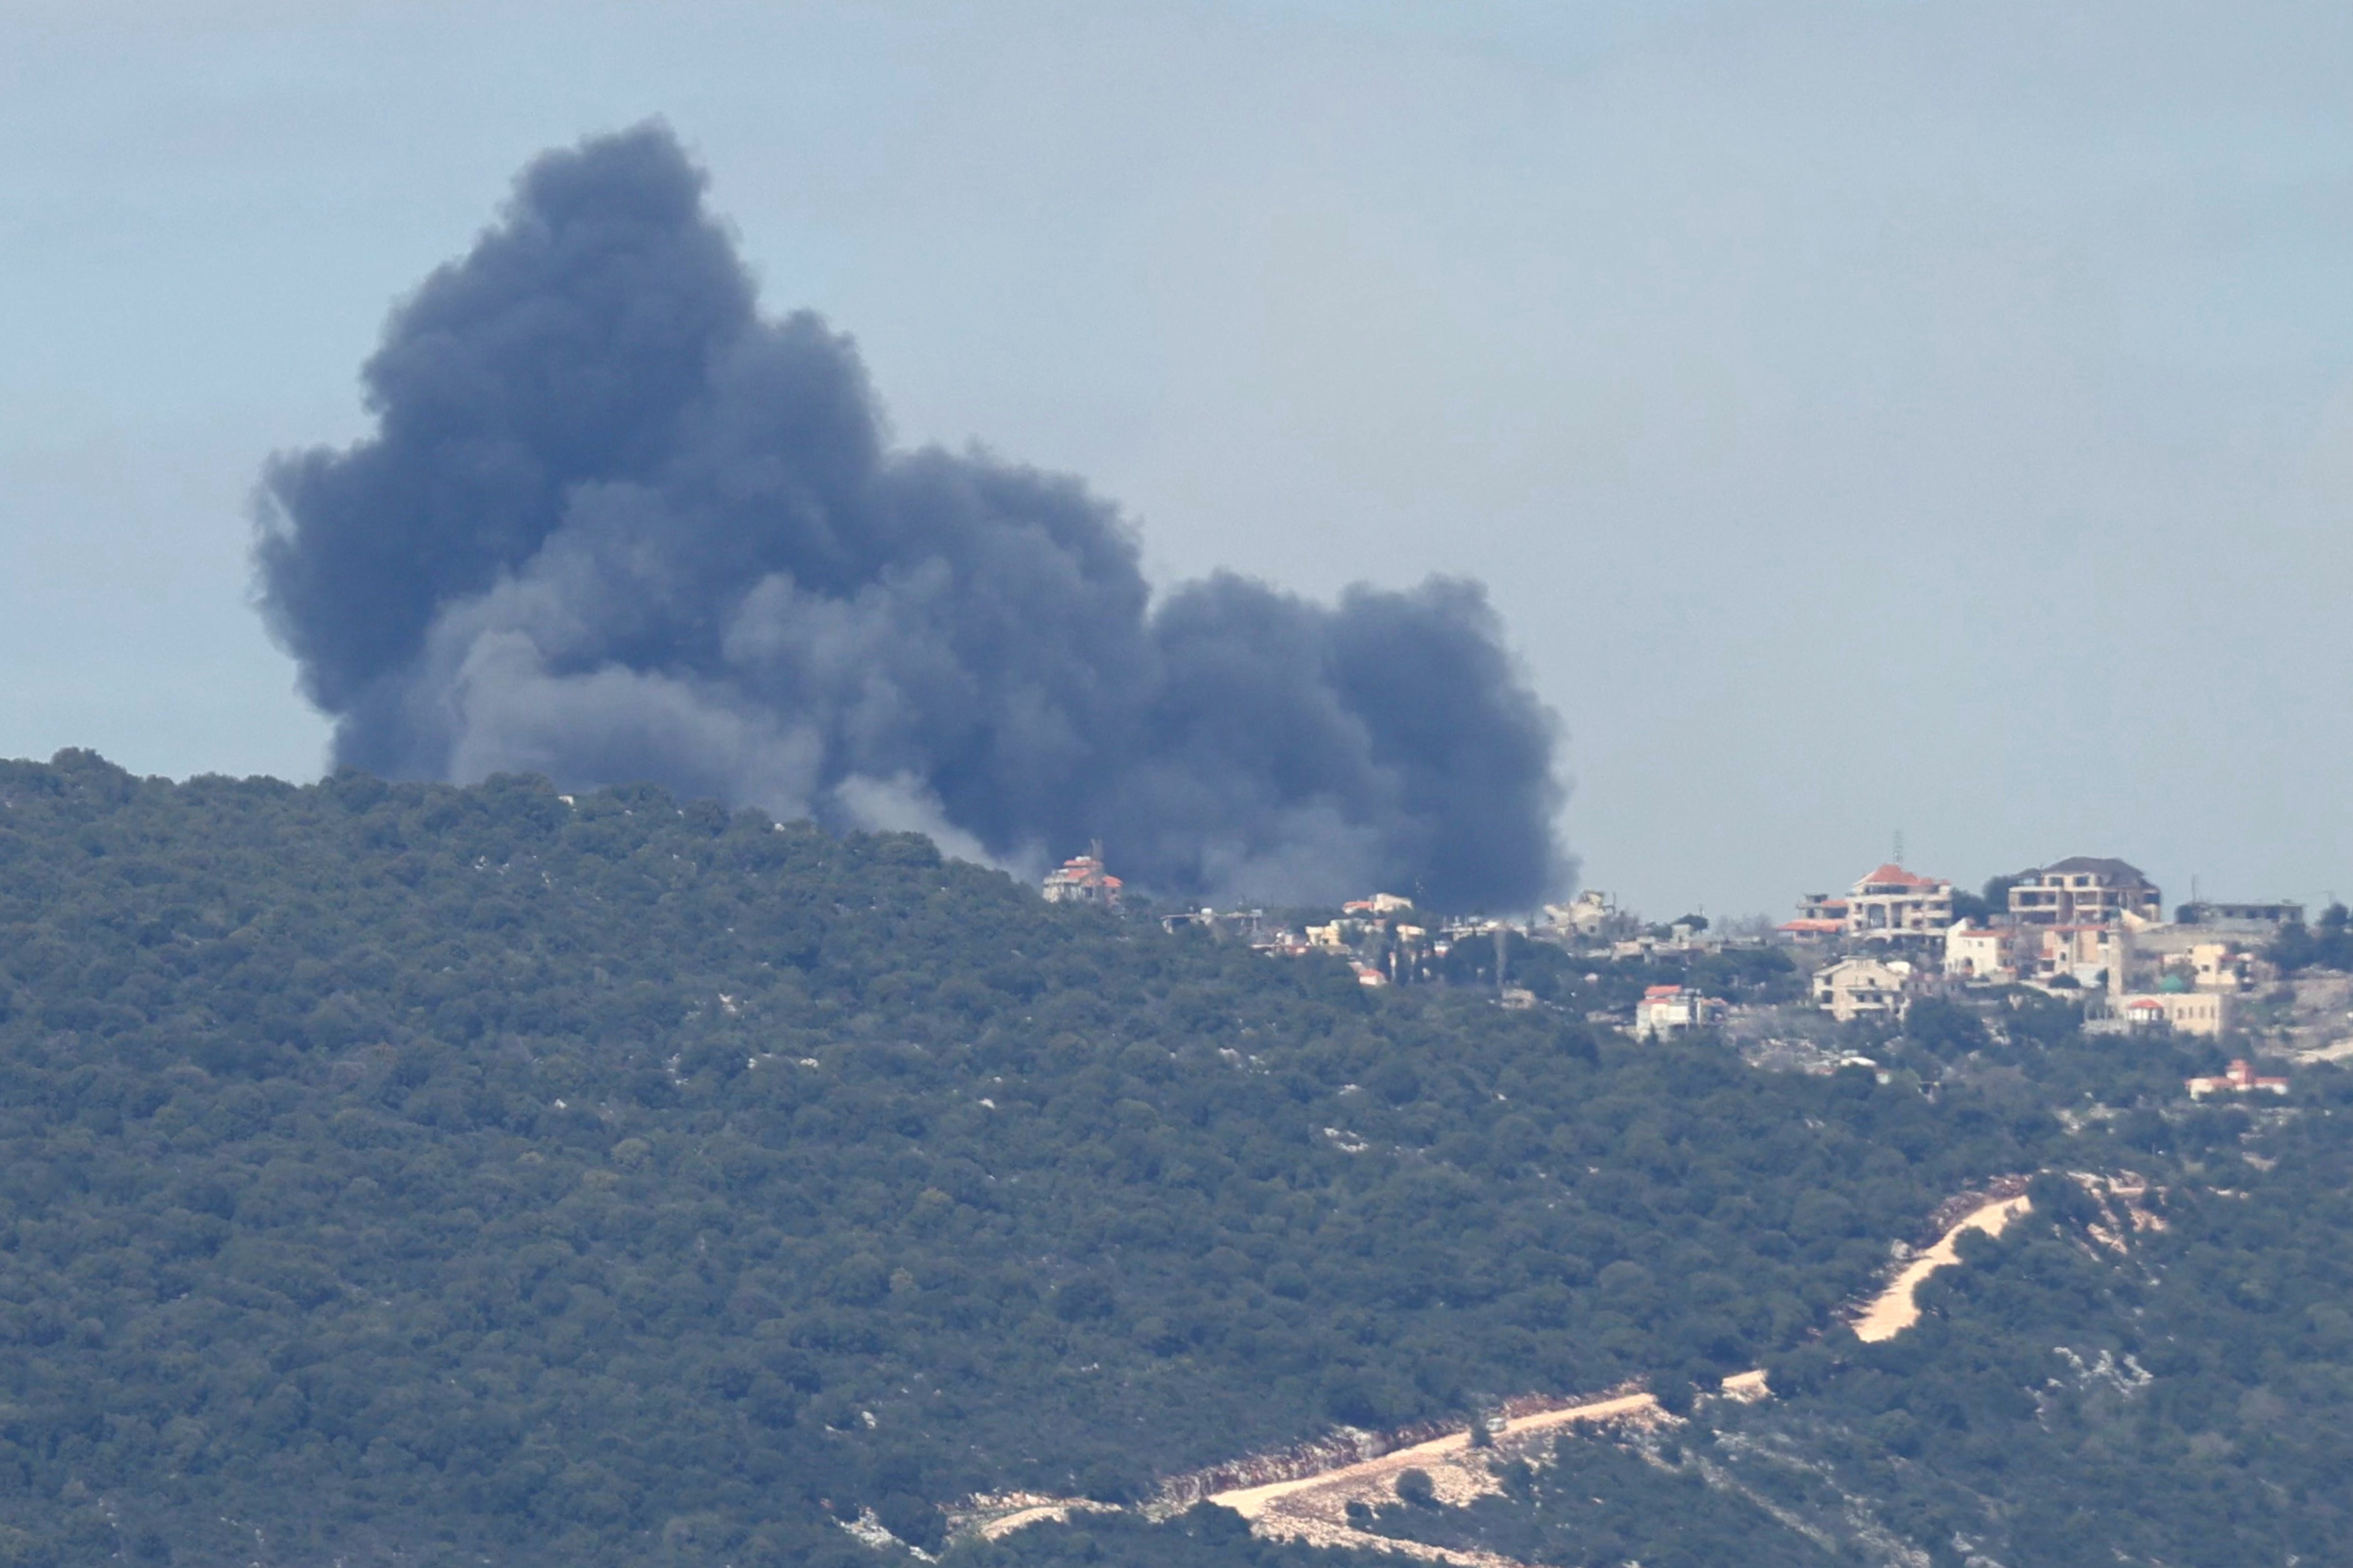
x=410 y=1174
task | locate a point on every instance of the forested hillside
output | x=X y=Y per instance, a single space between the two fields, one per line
x=403 y=1173
x=2153 y=1371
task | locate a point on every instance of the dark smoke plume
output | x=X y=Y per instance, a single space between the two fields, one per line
x=616 y=526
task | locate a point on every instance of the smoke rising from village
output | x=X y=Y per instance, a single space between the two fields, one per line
x=614 y=525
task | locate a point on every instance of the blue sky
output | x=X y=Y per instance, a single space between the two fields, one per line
x=1933 y=416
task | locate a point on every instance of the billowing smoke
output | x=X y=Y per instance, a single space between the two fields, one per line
x=614 y=526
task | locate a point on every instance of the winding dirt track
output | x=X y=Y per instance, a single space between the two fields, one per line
x=1893 y=1310
x=1251 y=1502
x=1313 y=1509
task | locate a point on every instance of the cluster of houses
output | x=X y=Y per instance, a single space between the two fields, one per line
x=1379 y=938
x=1382 y=938
x=2091 y=929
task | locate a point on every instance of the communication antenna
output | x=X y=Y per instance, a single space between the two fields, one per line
x=1899 y=847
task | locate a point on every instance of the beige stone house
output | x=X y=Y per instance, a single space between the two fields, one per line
x=2206 y=1013
x=1864 y=987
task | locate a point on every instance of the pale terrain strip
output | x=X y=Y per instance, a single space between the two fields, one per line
x=1313 y=1508
x=1252 y=1501
x=1894 y=1310
x=1057 y=1512
x=994 y=1515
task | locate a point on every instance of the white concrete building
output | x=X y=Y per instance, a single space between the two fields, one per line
x=2240 y=1079
x=1981 y=953
x=1666 y=1011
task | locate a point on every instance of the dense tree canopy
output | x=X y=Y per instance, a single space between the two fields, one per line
x=2327 y=946
x=404 y=1171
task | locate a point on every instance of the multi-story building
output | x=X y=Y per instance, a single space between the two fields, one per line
x=1981 y=953
x=1666 y=1011
x=2221 y=966
x=1591 y=916
x=1894 y=903
x=1890 y=904
x=1864 y=987
x=2209 y=957
x=2084 y=891
x=2092 y=956
x=1820 y=916
x=1337 y=937
x=1084 y=880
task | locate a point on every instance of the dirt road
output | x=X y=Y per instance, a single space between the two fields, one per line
x=1894 y=1310
x=1312 y=1508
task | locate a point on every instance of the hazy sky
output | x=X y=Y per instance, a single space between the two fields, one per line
x=1910 y=414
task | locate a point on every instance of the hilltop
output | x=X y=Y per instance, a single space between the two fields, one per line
x=401 y=1173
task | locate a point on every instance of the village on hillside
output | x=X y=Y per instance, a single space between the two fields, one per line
x=2088 y=931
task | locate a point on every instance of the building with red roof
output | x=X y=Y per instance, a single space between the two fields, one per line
x=1666 y=1011
x=2206 y=1013
x=1084 y=880
x=2238 y=1079
x=1892 y=903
